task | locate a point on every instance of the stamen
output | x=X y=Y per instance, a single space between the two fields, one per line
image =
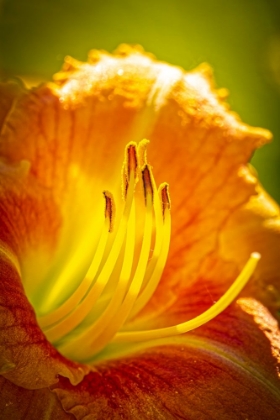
x=124 y=272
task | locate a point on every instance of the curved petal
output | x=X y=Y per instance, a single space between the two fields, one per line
x=29 y=217
x=228 y=375
x=257 y=226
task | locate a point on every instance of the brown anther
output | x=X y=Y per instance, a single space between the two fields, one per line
x=165 y=197
x=147 y=183
x=129 y=167
x=109 y=208
x=132 y=162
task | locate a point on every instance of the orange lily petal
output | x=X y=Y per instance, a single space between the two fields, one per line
x=194 y=379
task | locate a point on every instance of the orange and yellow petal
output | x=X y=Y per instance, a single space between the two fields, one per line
x=62 y=145
x=228 y=368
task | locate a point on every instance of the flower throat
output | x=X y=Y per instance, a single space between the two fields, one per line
x=124 y=273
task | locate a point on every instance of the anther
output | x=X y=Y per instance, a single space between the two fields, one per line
x=109 y=209
x=165 y=198
x=130 y=167
x=131 y=161
x=147 y=183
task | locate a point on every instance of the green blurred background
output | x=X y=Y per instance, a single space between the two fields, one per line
x=240 y=39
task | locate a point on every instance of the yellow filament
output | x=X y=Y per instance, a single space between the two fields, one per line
x=206 y=316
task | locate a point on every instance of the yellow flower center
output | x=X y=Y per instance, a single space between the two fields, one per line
x=125 y=271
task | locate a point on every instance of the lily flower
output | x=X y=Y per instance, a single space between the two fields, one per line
x=139 y=254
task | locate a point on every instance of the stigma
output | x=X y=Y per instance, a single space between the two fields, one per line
x=125 y=270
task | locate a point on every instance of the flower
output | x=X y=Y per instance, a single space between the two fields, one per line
x=62 y=145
